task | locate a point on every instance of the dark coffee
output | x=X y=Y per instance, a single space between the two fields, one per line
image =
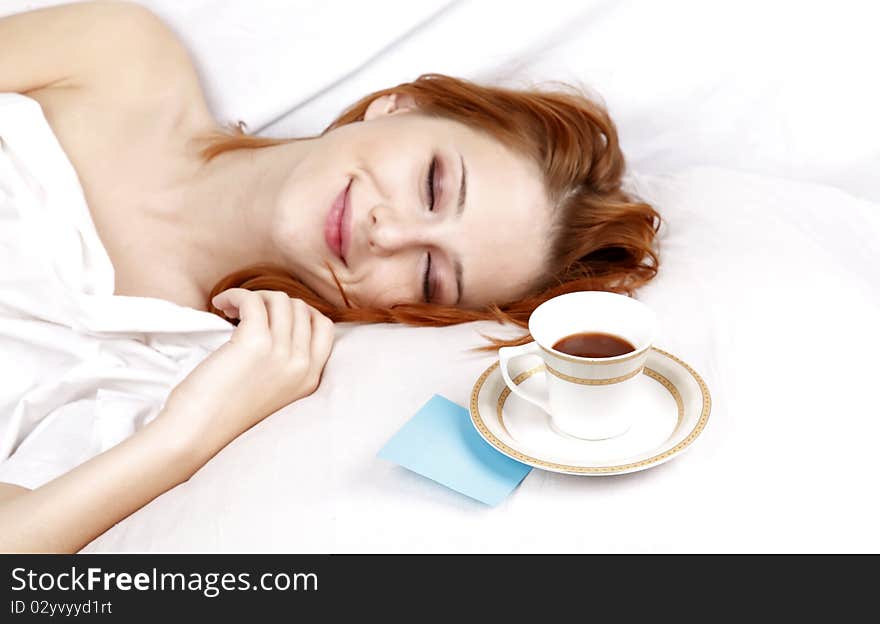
x=594 y=345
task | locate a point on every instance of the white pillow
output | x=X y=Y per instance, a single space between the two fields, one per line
x=779 y=88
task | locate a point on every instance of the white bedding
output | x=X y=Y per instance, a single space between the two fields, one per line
x=770 y=284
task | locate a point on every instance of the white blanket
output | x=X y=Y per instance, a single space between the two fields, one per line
x=82 y=369
x=769 y=287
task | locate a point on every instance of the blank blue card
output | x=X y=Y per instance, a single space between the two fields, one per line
x=440 y=442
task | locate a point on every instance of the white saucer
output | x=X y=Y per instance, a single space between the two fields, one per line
x=674 y=406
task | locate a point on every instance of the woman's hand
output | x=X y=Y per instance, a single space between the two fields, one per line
x=275 y=356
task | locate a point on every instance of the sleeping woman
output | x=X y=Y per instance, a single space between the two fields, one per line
x=433 y=202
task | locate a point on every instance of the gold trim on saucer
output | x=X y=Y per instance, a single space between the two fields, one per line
x=679 y=403
x=477 y=420
x=516 y=381
x=593 y=382
x=594 y=361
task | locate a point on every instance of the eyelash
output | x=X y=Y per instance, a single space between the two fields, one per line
x=430 y=182
x=426 y=282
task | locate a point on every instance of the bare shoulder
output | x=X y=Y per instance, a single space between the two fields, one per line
x=131 y=67
x=8 y=490
x=141 y=49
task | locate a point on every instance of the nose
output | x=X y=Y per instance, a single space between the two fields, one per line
x=389 y=232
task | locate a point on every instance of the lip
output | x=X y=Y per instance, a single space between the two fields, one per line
x=345 y=225
x=337 y=225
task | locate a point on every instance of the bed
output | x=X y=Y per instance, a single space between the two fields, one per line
x=752 y=127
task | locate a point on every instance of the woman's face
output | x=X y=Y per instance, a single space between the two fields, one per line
x=482 y=239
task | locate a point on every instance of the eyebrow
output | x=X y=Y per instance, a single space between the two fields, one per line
x=462 y=195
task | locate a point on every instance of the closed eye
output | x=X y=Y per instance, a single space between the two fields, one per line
x=426 y=283
x=427 y=290
x=430 y=183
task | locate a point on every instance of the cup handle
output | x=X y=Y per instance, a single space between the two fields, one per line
x=505 y=354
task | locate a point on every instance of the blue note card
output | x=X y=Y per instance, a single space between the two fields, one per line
x=440 y=443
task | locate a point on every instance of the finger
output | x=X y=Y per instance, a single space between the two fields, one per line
x=280 y=308
x=302 y=328
x=226 y=299
x=247 y=306
x=323 y=333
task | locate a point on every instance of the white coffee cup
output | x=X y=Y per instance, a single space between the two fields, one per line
x=587 y=398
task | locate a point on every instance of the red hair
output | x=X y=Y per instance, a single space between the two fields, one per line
x=602 y=237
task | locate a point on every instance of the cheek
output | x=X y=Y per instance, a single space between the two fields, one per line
x=283 y=232
x=386 y=283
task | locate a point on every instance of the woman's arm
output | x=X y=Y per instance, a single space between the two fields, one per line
x=69 y=512
x=275 y=356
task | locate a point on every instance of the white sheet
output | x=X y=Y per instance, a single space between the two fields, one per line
x=783 y=90
x=82 y=369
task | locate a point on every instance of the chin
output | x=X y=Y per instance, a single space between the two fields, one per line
x=321 y=285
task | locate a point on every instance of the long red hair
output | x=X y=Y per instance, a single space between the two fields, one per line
x=602 y=237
